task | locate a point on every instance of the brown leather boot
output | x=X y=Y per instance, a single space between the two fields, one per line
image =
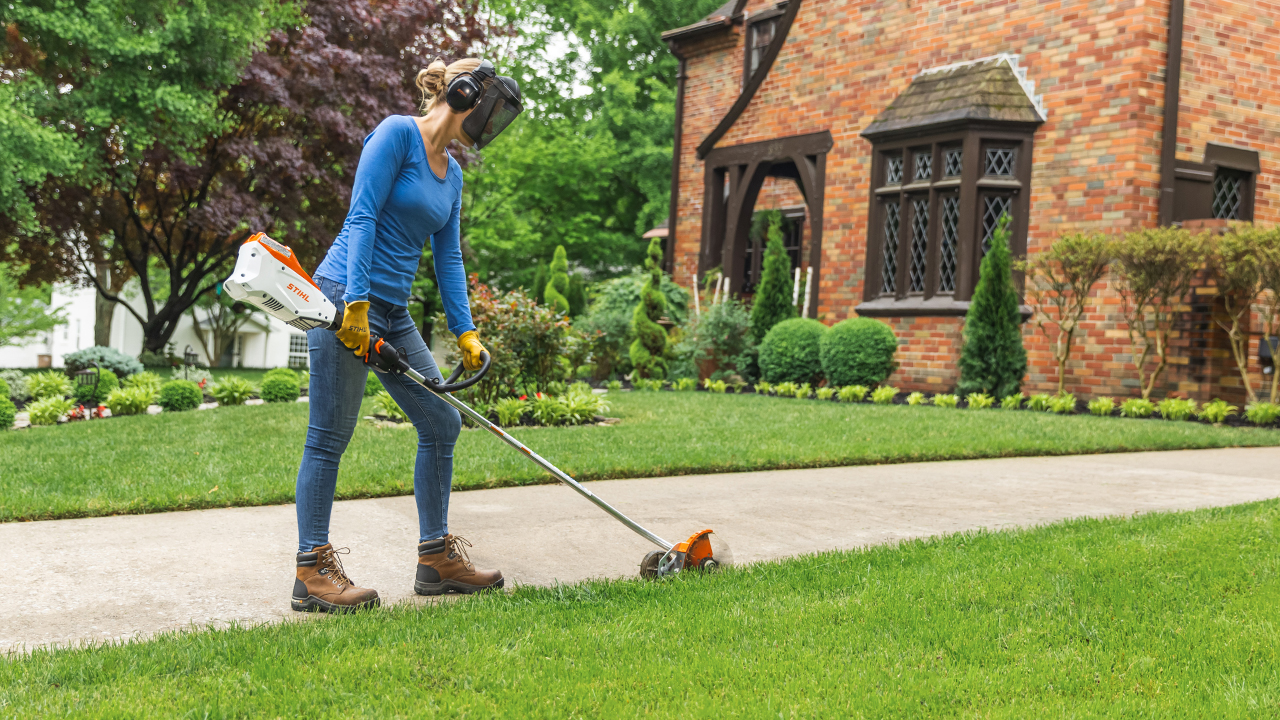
x=322 y=585
x=443 y=566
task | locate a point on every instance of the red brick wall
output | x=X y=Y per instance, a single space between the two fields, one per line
x=1099 y=65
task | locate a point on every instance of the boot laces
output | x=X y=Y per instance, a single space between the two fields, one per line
x=334 y=567
x=456 y=548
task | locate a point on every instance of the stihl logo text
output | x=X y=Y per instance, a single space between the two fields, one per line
x=299 y=292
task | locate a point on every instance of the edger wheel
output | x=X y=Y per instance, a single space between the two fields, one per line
x=649 y=565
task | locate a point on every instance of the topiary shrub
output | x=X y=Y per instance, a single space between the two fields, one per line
x=231 y=390
x=556 y=294
x=772 y=303
x=49 y=410
x=8 y=411
x=49 y=384
x=107 y=358
x=649 y=350
x=279 y=388
x=180 y=396
x=992 y=359
x=85 y=394
x=791 y=351
x=858 y=351
x=130 y=400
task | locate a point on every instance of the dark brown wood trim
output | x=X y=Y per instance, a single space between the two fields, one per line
x=1172 y=96
x=757 y=79
x=915 y=306
x=668 y=259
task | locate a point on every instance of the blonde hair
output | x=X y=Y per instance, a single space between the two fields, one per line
x=436 y=78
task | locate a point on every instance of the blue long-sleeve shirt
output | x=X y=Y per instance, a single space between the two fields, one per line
x=397 y=201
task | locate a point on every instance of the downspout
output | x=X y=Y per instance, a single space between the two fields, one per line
x=1172 y=96
x=668 y=259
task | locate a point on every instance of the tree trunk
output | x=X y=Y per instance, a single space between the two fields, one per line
x=104 y=309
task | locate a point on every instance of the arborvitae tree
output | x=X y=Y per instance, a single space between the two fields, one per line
x=557 y=291
x=649 y=350
x=772 y=302
x=993 y=360
x=577 y=295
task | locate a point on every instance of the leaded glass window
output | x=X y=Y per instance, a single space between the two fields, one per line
x=1000 y=161
x=952 y=162
x=1228 y=192
x=919 y=243
x=889 y=270
x=992 y=208
x=950 y=236
x=893 y=171
x=924 y=166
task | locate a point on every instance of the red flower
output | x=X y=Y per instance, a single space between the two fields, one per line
x=524 y=397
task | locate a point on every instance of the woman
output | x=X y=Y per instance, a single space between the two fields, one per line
x=407 y=187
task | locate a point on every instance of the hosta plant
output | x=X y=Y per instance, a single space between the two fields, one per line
x=825 y=393
x=510 y=410
x=803 y=392
x=1063 y=404
x=685 y=383
x=130 y=400
x=546 y=410
x=1039 y=402
x=614 y=385
x=49 y=410
x=884 y=395
x=1177 y=409
x=232 y=390
x=1217 y=411
x=1137 y=408
x=852 y=393
x=1011 y=402
x=49 y=384
x=979 y=401
x=1262 y=413
x=946 y=400
x=916 y=398
x=147 y=380
x=763 y=387
x=1101 y=406
x=715 y=386
x=581 y=405
x=386 y=406
x=785 y=389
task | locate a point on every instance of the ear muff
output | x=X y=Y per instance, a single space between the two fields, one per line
x=465 y=89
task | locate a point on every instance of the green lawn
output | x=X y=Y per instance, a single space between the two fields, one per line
x=250 y=454
x=1170 y=615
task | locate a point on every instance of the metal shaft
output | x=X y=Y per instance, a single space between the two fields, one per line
x=542 y=462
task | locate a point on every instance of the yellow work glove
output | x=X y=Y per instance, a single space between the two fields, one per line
x=354 y=332
x=469 y=344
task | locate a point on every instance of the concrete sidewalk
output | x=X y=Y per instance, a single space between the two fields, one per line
x=131 y=576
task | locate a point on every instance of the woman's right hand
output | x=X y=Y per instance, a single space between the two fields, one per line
x=354 y=332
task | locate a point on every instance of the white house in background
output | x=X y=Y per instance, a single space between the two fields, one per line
x=263 y=342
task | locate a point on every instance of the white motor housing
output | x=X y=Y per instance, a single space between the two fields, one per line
x=268 y=276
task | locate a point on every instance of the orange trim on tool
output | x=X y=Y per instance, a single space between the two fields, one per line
x=290 y=260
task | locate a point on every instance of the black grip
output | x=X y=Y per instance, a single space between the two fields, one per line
x=386 y=359
x=451 y=385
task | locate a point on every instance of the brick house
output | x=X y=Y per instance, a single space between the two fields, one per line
x=894 y=132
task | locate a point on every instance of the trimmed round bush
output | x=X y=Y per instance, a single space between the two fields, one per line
x=49 y=384
x=281 y=372
x=107 y=358
x=180 y=396
x=130 y=400
x=8 y=411
x=790 y=351
x=858 y=351
x=49 y=410
x=279 y=388
x=86 y=396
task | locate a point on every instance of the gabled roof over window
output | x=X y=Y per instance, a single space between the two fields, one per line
x=988 y=89
x=719 y=19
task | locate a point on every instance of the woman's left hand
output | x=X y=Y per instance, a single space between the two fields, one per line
x=469 y=344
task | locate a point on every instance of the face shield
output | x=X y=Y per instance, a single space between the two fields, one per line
x=494 y=111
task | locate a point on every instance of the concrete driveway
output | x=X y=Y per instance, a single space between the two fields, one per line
x=131 y=576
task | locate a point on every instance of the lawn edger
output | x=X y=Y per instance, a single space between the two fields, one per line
x=267 y=275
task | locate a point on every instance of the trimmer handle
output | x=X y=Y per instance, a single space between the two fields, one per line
x=385 y=359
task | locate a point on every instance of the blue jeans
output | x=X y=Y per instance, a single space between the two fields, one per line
x=336 y=389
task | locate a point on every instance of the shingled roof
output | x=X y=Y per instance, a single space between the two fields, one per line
x=992 y=89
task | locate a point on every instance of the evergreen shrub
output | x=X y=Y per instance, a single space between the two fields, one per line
x=8 y=411
x=772 y=303
x=85 y=394
x=280 y=387
x=180 y=396
x=130 y=400
x=107 y=358
x=993 y=360
x=556 y=294
x=649 y=349
x=791 y=351
x=858 y=351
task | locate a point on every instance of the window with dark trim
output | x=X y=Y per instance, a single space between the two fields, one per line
x=1222 y=187
x=936 y=201
x=759 y=34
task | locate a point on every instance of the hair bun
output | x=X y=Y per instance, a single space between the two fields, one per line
x=431 y=80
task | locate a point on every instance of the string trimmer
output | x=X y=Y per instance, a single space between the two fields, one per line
x=267 y=275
